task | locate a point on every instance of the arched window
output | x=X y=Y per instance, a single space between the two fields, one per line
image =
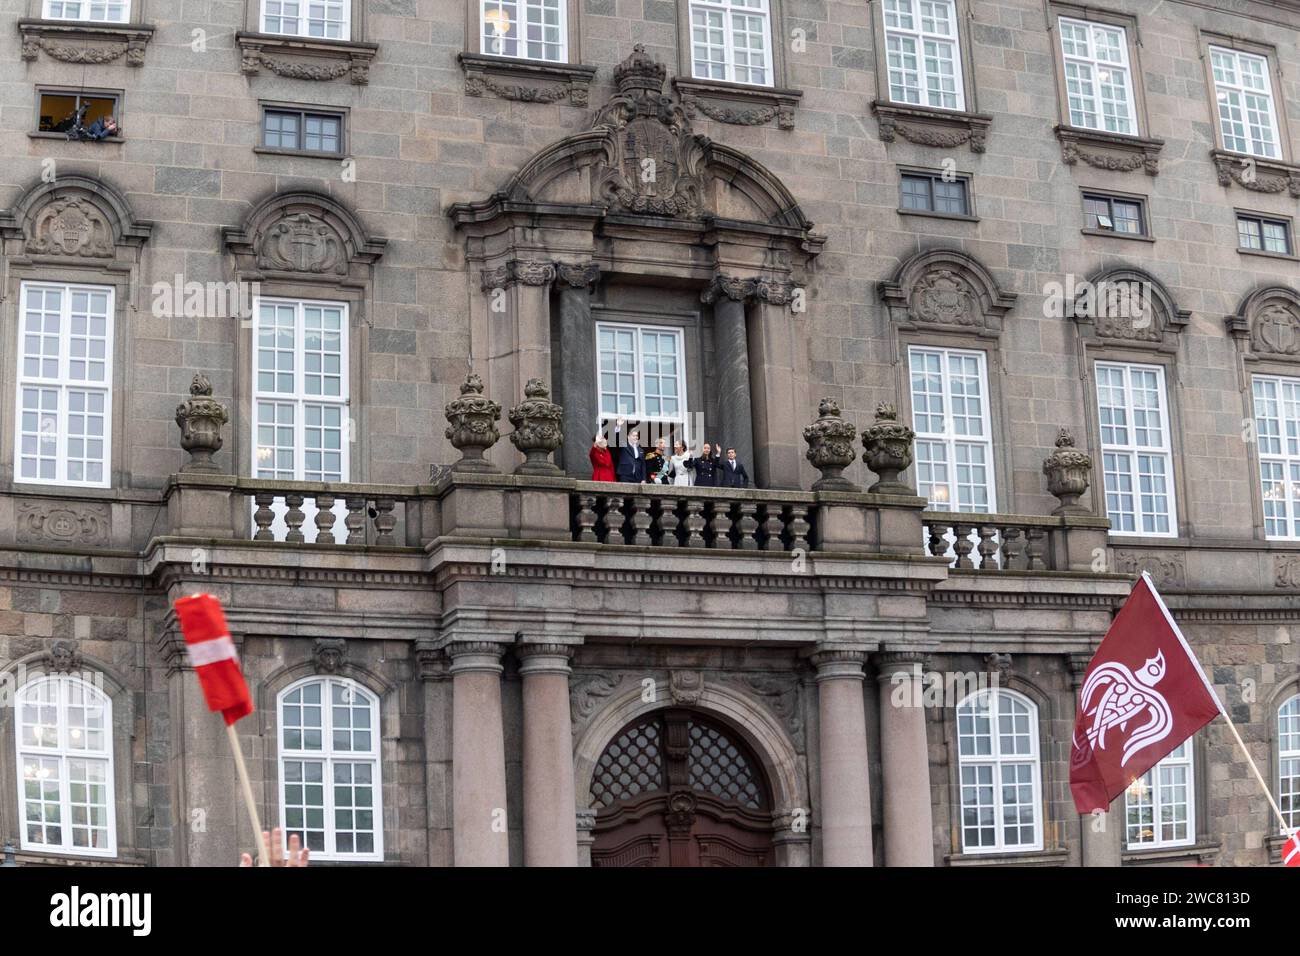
x=1160 y=805
x=1288 y=760
x=329 y=768
x=65 y=760
x=997 y=745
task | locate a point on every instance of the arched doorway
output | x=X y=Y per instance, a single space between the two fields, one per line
x=674 y=788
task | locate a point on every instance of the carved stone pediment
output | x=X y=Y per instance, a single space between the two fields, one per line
x=1127 y=307
x=75 y=217
x=946 y=290
x=1267 y=323
x=656 y=162
x=304 y=235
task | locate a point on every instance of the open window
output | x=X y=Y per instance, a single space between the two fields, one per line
x=80 y=114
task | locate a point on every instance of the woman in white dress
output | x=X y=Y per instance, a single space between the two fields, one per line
x=679 y=457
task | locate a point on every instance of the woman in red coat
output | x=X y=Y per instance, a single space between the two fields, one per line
x=602 y=466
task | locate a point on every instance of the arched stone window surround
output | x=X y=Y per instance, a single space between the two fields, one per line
x=722 y=221
x=1114 y=336
x=77 y=229
x=52 y=662
x=947 y=298
x=335 y=261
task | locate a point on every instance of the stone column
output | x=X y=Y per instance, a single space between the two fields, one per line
x=478 y=755
x=731 y=357
x=842 y=735
x=777 y=410
x=550 y=810
x=1101 y=836
x=436 y=685
x=577 y=385
x=904 y=761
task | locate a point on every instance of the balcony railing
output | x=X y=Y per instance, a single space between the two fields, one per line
x=1000 y=542
x=303 y=512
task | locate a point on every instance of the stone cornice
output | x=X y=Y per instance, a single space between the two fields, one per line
x=924 y=126
x=309 y=59
x=84 y=43
x=1113 y=152
x=1256 y=173
x=746 y=105
x=526 y=81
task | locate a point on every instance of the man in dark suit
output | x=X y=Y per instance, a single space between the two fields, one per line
x=705 y=467
x=731 y=473
x=631 y=459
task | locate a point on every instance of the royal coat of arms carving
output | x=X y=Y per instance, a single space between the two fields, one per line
x=655 y=162
x=301 y=243
x=1276 y=329
x=70 y=227
x=944 y=298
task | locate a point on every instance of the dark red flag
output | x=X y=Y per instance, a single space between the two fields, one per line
x=212 y=654
x=1143 y=694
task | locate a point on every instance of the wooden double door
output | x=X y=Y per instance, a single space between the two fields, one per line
x=677 y=789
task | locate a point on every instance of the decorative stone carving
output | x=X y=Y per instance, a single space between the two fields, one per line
x=925 y=127
x=1276 y=329
x=1286 y=571
x=84 y=43
x=581 y=275
x=830 y=447
x=523 y=271
x=538 y=430
x=1122 y=310
x=657 y=163
x=1125 y=307
x=301 y=243
x=526 y=81
x=50 y=522
x=1109 y=151
x=1068 y=474
x=1167 y=569
x=784 y=697
x=200 y=418
x=944 y=298
x=586 y=692
x=686 y=687
x=473 y=429
x=63 y=657
x=737 y=105
x=1256 y=174
x=738 y=289
x=309 y=59
x=888 y=444
x=71 y=226
x=328 y=654
x=999 y=664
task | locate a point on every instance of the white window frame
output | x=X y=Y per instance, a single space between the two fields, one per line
x=328 y=757
x=949 y=437
x=1226 y=92
x=345 y=29
x=47 y=11
x=1279 y=471
x=1153 y=785
x=639 y=415
x=521 y=8
x=1130 y=451
x=1096 y=66
x=64 y=384
x=729 y=9
x=1288 y=758
x=997 y=760
x=920 y=37
x=63 y=752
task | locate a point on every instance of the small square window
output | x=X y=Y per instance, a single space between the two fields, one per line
x=302 y=131
x=1262 y=234
x=932 y=192
x=79 y=115
x=1113 y=214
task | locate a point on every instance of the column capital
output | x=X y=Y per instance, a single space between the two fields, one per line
x=432 y=661
x=475 y=656
x=890 y=662
x=834 y=662
x=524 y=271
x=774 y=291
x=545 y=657
x=1078 y=664
x=577 y=275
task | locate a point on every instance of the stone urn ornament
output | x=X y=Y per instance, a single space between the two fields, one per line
x=888 y=444
x=1068 y=472
x=473 y=429
x=830 y=447
x=200 y=418
x=538 y=429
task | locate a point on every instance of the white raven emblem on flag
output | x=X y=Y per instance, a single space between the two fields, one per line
x=1114 y=696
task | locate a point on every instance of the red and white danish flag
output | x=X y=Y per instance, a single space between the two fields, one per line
x=212 y=654
x=1291 y=850
x=1143 y=695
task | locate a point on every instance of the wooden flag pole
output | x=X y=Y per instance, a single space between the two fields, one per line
x=1286 y=827
x=249 y=802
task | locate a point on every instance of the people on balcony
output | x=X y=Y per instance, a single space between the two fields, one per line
x=656 y=462
x=631 y=459
x=706 y=466
x=602 y=466
x=732 y=473
x=680 y=473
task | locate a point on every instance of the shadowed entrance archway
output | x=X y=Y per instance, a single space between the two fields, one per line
x=674 y=788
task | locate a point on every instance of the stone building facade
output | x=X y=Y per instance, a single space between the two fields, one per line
x=355 y=244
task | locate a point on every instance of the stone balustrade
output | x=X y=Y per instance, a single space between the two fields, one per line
x=369 y=513
x=999 y=542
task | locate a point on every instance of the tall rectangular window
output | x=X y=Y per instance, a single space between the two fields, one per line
x=923 y=53
x=317 y=19
x=525 y=29
x=65 y=380
x=1137 y=463
x=950 y=412
x=1098 y=80
x=1243 y=91
x=731 y=40
x=1159 y=806
x=1288 y=761
x=1277 y=433
x=642 y=376
x=95 y=11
